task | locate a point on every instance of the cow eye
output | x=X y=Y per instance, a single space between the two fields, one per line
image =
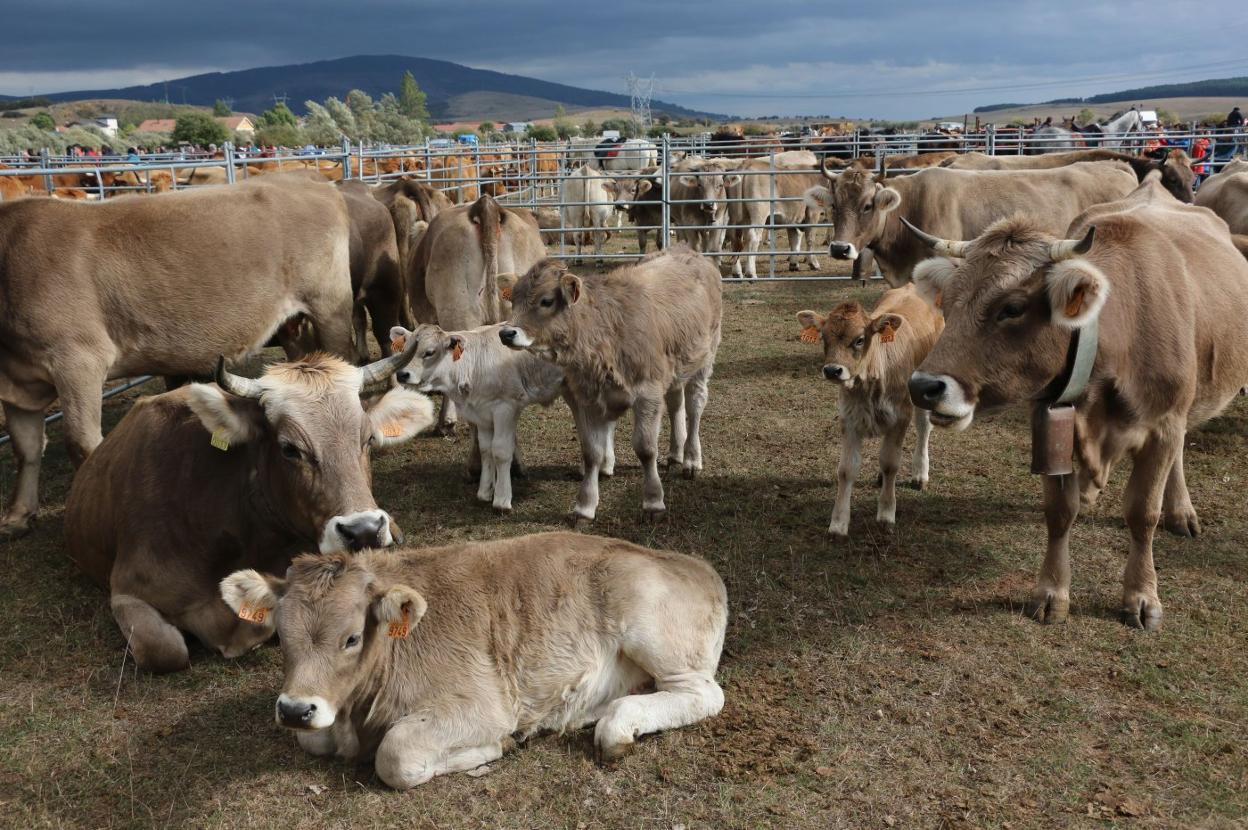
x=868 y=207
x=352 y=641
x=290 y=452
x=858 y=344
x=429 y=353
x=1011 y=311
x=547 y=302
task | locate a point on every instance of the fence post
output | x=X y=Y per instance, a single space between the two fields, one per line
x=45 y=161
x=666 y=210
x=228 y=150
x=346 y=157
x=771 y=214
x=990 y=139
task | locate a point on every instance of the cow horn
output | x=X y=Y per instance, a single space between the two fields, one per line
x=375 y=377
x=830 y=176
x=1071 y=248
x=883 y=174
x=945 y=247
x=236 y=384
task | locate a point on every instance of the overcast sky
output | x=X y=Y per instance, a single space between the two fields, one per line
x=910 y=60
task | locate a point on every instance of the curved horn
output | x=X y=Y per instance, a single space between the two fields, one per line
x=236 y=384
x=1071 y=248
x=826 y=173
x=883 y=174
x=945 y=247
x=375 y=377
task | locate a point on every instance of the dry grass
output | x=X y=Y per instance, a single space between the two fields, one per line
x=888 y=681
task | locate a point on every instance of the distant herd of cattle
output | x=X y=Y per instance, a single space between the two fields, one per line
x=236 y=509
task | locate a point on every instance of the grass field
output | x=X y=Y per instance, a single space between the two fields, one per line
x=888 y=681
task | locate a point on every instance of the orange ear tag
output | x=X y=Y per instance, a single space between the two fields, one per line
x=398 y=343
x=886 y=333
x=505 y=293
x=810 y=334
x=1075 y=304
x=391 y=429
x=458 y=351
x=940 y=299
x=400 y=628
x=253 y=614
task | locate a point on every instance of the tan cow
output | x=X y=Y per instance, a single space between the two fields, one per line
x=410 y=201
x=1177 y=175
x=773 y=194
x=375 y=275
x=197 y=274
x=198 y=482
x=871 y=357
x=1170 y=294
x=866 y=210
x=699 y=207
x=636 y=338
x=457 y=176
x=437 y=660
x=1226 y=194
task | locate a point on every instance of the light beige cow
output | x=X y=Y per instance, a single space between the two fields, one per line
x=1226 y=194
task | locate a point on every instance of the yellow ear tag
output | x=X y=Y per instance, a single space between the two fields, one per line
x=505 y=293
x=810 y=334
x=253 y=614
x=398 y=343
x=400 y=628
x=1075 y=304
x=886 y=333
x=220 y=440
x=391 y=429
x=458 y=351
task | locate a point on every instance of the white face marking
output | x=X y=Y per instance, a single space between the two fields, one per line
x=322 y=718
x=853 y=250
x=332 y=539
x=520 y=340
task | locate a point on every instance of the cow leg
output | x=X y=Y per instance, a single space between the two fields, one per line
x=679 y=426
x=157 y=646
x=890 y=464
x=335 y=330
x=448 y=417
x=593 y=430
x=1141 y=607
x=679 y=700
x=503 y=448
x=753 y=238
x=485 y=443
x=608 y=451
x=1177 y=514
x=647 y=419
x=642 y=234
x=846 y=475
x=812 y=259
x=80 y=401
x=1050 y=599
x=26 y=428
x=919 y=463
x=795 y=244
x=415 y=750
x=697 y=390
x=359 y=327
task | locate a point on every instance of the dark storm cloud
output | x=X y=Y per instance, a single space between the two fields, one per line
x=730 y=56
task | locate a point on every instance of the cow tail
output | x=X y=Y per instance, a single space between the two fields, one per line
x=488 y=218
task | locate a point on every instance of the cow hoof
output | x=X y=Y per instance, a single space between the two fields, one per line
x=502 y=510
x=879 y=479
x=793 y=266
x=918 y=483
x=839 y=533
x=13 y=529
x=653 y=514
x=1048 y=606
x=608 y=755
x=690 y=472
x=446 y=430
x=1139 y=610
x=576 y=521
x=1183 y=524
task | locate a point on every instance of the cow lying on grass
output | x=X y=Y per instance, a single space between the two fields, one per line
x=197 y=482
x=432 y=660
x=1169 y=293
x=490 y=386
x=871 y=357
x=635 y=338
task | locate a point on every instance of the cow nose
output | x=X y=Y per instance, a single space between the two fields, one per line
x=839 y=250
x=404 y=376
x=925 y=390
x=833 y=372
x=362 y=532
x=507 y=335
x=295 y=712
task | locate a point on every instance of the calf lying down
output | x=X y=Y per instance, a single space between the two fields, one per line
x=490 y=386
x=871 y=357
x=431 y=660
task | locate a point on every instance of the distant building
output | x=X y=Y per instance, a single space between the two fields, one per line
x=518 y=126
x=240 y=124
x=106 y=124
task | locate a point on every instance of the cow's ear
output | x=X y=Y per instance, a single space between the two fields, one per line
x=887 y=199
x=398 y=610
x=812 y=324
x=643 y=187
x=732 y=180
x=885 y=325
x=506 y=284
x=398 y=338
x=400 y=415
x=689 y=181
x=230 y=419
x=610 y=186
x=252 y=595
x=570 y=286
x=818 y=197
x=932 y=276
x=1077 y=292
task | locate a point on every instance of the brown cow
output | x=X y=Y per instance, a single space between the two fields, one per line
x=431 y=660
x=865 y=210
x=1170 y=294
x=635 y=338
x=376 y=278
x=195 y=483
x=410 y=201
x=1226 y=194
x=197 y=274
x=871 y=357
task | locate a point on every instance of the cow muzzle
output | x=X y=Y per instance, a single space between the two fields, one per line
x=357 y=531
x=514 y=338
x=304 y=712
x=836 y=372
x=943 y=397
x=843 y=250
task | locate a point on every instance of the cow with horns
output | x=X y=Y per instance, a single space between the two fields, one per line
x=199 y=482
